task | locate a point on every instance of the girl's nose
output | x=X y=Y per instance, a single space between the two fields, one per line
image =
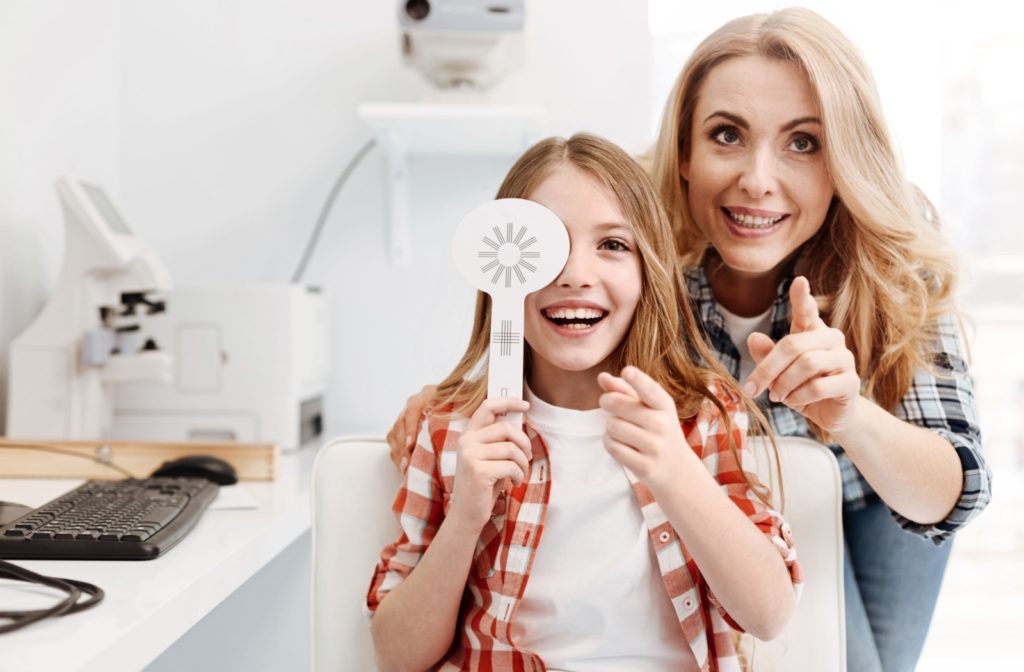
x=577 y=272
x=759 y=176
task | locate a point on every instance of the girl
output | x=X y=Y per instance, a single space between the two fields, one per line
x=620 y=528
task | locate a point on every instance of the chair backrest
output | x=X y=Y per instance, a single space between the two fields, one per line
x=354 y=484
x=815 y=638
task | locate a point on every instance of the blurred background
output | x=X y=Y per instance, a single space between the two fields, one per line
x=219 y=127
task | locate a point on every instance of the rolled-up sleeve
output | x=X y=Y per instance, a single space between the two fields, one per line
x=942 y=400
x=741 y=484
x=419 y=509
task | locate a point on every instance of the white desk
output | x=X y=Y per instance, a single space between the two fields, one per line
x=232 y=595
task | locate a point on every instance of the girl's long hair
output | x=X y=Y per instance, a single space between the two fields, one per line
x=664 y=339
x=879 y=267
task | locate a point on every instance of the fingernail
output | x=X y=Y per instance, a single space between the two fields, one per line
x=749 y=388
x=774 y=397
x=408 y=441
x=403 y=464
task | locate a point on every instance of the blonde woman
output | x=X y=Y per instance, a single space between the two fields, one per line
x=820 y=279
x=621 y=526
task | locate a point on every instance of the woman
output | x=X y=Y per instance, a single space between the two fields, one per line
x=779 y=175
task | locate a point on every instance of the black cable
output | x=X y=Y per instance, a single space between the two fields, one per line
x=98 y=459
x=328 y=204
x=68 y=605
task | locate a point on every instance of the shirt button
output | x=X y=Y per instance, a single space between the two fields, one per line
x=664 y=537
x=688 y=603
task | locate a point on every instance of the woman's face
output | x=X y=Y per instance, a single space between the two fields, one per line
x=758 y=185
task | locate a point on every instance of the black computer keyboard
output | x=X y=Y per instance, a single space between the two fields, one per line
x=109 y=520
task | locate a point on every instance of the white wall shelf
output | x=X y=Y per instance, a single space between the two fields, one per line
x=442 y=129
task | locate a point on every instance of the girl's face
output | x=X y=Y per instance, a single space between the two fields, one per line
x=578 y=321
x=758 y=184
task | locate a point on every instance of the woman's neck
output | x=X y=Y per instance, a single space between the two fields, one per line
x=741 y=293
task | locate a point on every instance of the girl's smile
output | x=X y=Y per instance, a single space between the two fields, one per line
x=574 y=318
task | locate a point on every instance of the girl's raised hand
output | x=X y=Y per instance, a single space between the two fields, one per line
x=643 y=432
x=490 y=452
x=811 y=370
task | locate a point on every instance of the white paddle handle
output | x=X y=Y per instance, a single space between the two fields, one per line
x=505 y=368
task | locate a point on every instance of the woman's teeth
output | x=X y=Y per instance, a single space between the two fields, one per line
x=753 y=222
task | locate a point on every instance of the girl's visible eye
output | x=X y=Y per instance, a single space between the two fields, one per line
x=804 y=144
x=724 y=134
x=613 y=245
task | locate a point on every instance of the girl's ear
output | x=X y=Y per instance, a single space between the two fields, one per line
x=684 y=169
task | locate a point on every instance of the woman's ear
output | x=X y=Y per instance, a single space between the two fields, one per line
x=684 y=169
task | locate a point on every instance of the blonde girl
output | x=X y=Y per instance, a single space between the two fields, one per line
x=621 y=527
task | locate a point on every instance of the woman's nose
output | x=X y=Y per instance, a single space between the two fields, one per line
x=759 y=176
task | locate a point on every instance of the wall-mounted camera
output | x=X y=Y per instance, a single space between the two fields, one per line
x=461 y=44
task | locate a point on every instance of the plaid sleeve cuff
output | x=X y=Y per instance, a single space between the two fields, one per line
x=974 y=497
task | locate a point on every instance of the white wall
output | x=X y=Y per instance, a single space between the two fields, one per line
x=59 y=113
x=219 y=127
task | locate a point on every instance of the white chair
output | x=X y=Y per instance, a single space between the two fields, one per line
x=354 y=484
x=815 y=638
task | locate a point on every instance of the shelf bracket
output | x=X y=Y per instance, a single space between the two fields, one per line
x=399 y=234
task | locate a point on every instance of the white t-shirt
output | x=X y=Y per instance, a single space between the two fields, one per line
x=594 y=599
x=739 y=329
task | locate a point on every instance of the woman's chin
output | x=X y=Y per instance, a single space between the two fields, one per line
x=748 y=266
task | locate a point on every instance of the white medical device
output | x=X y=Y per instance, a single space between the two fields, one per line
x=89 y=336
x=250 y=365
x=509 y=248
x=461 y=44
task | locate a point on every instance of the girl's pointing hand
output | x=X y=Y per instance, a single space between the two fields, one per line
x=643 y=431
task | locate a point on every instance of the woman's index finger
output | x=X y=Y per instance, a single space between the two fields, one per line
x=803 y=307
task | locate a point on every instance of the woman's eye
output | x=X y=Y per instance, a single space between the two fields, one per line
x=804 y=144
x=725 y=135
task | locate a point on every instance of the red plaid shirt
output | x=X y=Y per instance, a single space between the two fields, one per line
x=505 y=551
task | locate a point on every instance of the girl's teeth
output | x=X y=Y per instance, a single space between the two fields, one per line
x=574 y=314
x=575 y=318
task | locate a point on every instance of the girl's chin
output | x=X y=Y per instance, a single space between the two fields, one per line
x=558 y=366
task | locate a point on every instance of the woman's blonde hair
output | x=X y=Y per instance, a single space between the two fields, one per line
x=664 y=339
x=879 y=267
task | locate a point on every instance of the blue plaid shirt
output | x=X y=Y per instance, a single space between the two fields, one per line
x=943 y=404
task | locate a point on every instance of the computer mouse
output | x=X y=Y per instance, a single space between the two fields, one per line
x=198 y=466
